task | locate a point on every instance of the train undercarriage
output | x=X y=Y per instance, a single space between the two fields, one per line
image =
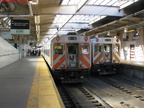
x=71 y=75
x=104 y=69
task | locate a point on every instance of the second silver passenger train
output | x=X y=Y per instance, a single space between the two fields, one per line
x=105 y=55
x=69 y=57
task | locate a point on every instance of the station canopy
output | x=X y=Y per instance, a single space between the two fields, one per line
x=58 y=17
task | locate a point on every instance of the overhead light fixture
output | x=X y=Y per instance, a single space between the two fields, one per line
x=125 y=29
x=37 y=19
x=34 y=1
x=38 y=28
x=108 y=33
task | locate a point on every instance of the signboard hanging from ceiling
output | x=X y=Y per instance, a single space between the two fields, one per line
x=20 y=26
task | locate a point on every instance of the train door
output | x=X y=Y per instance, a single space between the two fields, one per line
x=72 y=55
x=108 y=53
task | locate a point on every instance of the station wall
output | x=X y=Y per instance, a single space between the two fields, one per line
x=8 y=53
x=132 y=44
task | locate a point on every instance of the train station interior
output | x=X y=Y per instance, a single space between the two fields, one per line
x=26 y=26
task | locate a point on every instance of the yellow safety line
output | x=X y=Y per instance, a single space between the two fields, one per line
x=43 y=92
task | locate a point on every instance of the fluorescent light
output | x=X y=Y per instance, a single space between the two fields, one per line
x=34 y=1
x=37 y=19
x=5 y=18
x=37 y=28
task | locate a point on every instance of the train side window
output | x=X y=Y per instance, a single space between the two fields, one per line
x=58 y=49
x=85 y=49
x=116 y=48
x=97 y=48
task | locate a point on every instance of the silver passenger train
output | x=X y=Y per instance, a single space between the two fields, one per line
x=105 y=55
x=69 y=57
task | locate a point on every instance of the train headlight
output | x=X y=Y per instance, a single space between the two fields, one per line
x=82 y=77
x=97 y=40
x=57 y=38
x=117 y=40
x=85 y=38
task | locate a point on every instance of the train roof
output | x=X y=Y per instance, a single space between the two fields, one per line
x=105 y=40
x=69 y=38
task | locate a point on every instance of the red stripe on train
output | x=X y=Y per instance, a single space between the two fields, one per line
x=84 y=61
x=60 y=62
x=55 y=56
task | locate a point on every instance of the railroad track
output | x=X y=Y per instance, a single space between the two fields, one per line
x=115 y=94
x=66 y=97
x=133 y=83
x=101 y=92
x=124 y=88
x=77 y=96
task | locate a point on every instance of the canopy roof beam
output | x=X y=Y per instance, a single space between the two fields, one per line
x=85 y=10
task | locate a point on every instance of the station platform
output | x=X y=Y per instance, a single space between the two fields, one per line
x=133 y=63
x=28 y=83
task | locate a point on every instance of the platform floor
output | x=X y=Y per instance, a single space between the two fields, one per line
x=131 y=62
x=27 y=83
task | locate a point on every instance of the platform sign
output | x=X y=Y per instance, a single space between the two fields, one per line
x=20 y=26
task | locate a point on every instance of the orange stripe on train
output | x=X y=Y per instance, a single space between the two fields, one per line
x=80 y=47
x=84 y=61
x=64 y=47
x=117 y=59
x=55 y=56
x=88 y=56
x=99 y=57
x=95 y=54
x=60 y=62
x=118 y=53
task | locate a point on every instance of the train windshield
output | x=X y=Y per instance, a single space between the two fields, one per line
x=106 y=48
x=116 y=48
x=85 y=49
x=72 y=50
x=58 y=49
x=97 y=48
